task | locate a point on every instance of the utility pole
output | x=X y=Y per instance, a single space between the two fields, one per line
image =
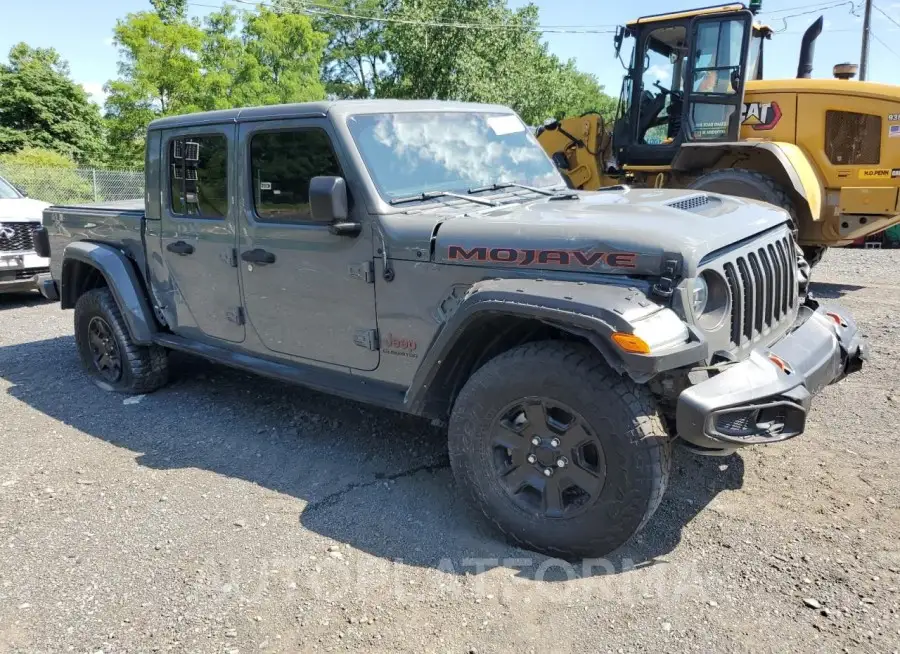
x=864 y=56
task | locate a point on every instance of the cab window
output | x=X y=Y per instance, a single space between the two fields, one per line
x=717 y=57
x=198 y=176
x=282 y=164
x=659 y=116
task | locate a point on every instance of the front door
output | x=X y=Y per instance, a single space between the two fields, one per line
x=717 y=70
x=198 y=231
x=306 y=291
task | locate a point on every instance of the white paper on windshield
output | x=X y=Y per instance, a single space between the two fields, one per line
x=508 y=124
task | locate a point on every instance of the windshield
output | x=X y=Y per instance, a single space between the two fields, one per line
x=412 y=153
x=8 y=191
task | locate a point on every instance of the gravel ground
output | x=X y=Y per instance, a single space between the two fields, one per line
x=228 y=513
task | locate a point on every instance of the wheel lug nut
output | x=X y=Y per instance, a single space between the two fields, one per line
x=548 y=472
x=562 y=462
x=554 y=442
x=532 y=458
x=535 y=441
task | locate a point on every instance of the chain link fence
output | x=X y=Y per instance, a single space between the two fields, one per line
x=75 y=185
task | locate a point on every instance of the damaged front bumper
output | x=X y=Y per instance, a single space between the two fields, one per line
x=765 y=398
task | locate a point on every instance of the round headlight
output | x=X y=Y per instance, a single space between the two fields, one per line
x=699 y=295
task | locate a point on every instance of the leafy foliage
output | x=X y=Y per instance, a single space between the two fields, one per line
x=40 y=106
x=490 y=54
x=290 y=51
x=173 y=65
x=38 y=158
x=46 y=175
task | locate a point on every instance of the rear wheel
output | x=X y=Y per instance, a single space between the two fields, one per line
x=113 y=360
x=560 y=453
x=756 y=186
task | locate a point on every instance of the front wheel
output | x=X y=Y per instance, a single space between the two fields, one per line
x=561 y=454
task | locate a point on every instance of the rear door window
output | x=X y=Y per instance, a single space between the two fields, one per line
x=198 y=176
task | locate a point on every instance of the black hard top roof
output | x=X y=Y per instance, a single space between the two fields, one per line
x=312 y=109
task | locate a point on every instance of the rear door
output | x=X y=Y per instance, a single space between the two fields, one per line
x=716 y=72
x=198 y=234
x=308 y=293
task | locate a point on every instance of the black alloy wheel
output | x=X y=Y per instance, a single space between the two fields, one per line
x=547 y=458
x=104 y=350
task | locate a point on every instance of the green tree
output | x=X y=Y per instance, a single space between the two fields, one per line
x=497 y=56
x=40 y=106
x=355 y=56
x=171 y=64
x=47 y=175
x=283 y=54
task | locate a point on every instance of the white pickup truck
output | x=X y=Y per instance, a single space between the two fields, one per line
x=20 y=266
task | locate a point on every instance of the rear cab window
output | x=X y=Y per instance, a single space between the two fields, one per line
x=198 y=176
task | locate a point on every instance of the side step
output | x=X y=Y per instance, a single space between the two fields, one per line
x=344 y=384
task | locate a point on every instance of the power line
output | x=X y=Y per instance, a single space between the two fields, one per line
x=886 y=14
x=318 y=9
x=813 y=7
x=784 y=19
x=887 y=47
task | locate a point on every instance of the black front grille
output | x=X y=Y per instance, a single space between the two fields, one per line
x=762 y=285
x=17 y=237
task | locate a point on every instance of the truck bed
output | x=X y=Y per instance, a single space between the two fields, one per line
x=115 y=223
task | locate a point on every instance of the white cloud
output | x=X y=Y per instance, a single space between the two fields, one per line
x=110 y=41
x=95 y=90
x=463 y=146
x=661 y=74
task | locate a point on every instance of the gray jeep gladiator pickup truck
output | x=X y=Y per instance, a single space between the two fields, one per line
x=427 y=256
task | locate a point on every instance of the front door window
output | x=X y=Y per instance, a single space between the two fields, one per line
x=716 y=83
x=659 y=116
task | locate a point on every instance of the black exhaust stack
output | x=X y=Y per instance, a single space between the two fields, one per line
x=808 y=49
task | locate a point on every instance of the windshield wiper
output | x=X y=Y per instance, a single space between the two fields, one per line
x=430 y=195
x=553 y=195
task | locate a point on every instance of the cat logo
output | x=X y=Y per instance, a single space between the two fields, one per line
x=760 y=115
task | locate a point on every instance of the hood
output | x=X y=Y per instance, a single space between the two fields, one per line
x=630 y=231
x=21 y=210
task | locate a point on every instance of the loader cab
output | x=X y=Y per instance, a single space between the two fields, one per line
x=685 y=81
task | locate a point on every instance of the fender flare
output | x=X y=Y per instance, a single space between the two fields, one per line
x=799 y=174
x=123 y=282
x=591 y=311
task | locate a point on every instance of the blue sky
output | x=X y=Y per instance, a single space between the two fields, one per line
x=82 y=33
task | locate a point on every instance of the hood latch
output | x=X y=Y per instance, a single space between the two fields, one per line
x=666 y=284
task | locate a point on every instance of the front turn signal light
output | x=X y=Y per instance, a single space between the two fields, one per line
x=836 y=318
x=631 y=343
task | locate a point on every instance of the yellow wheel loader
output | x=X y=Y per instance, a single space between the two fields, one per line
x=695 y=112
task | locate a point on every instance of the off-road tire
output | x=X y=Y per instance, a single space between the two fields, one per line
x=621 y=414
x=756 y=186
x=144 y=369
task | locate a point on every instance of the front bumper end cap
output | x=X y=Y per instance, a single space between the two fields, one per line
x=47 y=287
x=755 y=401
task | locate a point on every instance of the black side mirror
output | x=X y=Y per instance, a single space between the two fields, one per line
x=22 y=192
x=328 y=204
